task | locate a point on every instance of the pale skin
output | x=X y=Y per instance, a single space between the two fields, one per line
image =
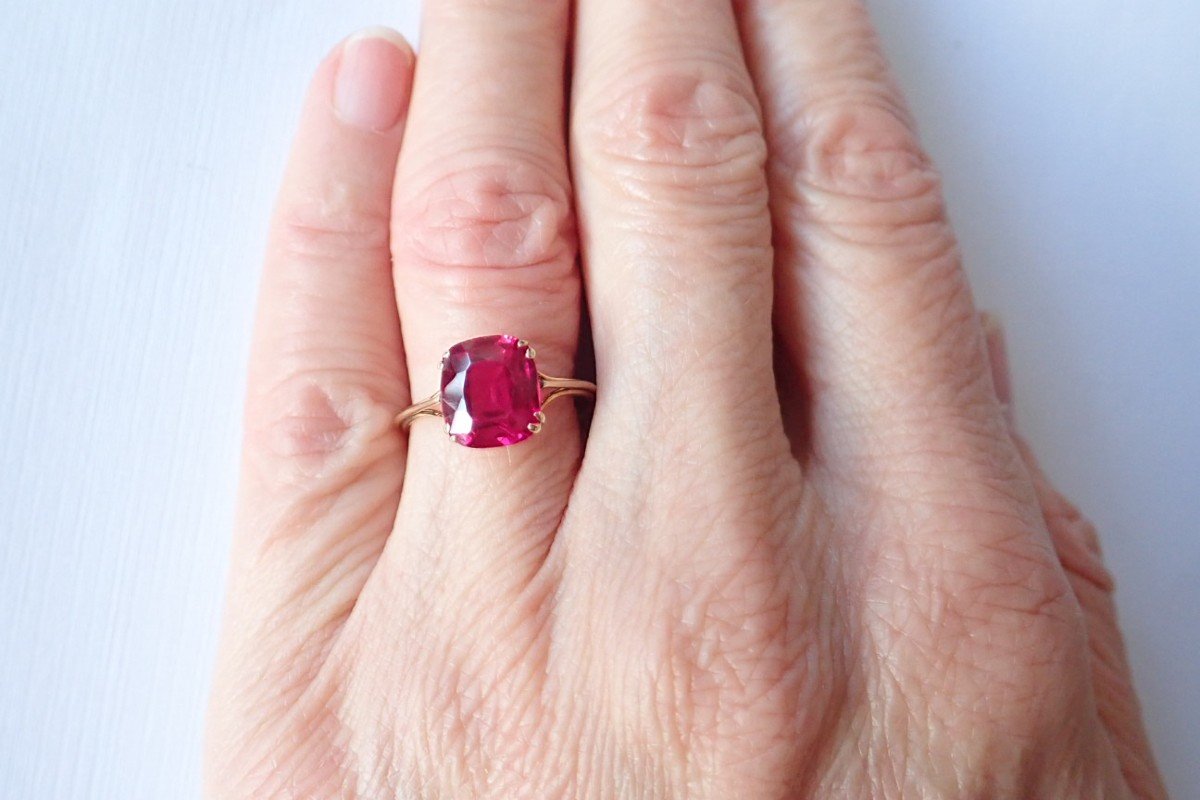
x=801 y=551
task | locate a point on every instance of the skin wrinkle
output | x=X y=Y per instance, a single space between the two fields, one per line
x=289 y=524
x=948 y=357
x=963 y=588
x=933 y=265
x=677 y=135
x=318 y=764
x=298 y=350
x=683 y=332
x=494 y=215
x=862 y=413
x=328 y=220
x=315 y=579
x=481 y=686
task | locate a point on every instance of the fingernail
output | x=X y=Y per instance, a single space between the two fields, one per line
x=371 y=87
x=997 y=350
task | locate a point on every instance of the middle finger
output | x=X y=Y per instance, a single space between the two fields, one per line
x=687 y=468
x=668 y=156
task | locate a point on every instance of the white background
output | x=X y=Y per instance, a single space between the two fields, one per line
x=140 y=142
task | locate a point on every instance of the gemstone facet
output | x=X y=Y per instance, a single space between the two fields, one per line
x=491 y=393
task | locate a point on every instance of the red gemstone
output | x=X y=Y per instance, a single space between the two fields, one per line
x=490 y=391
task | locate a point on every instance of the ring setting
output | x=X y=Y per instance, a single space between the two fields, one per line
x=492 y=393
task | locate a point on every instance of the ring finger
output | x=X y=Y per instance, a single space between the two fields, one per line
x=483 y=243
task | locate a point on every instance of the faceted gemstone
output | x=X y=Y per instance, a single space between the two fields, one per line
x=490 y=391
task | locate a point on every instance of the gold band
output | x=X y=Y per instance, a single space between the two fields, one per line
x=552 y=389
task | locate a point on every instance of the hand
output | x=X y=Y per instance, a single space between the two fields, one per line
x=801 y=552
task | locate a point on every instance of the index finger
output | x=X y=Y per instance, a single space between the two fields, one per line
x=322 y=463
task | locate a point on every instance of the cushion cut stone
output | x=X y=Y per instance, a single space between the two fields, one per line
x=490 y=391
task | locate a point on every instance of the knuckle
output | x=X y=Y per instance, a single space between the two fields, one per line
x=330 y=226
x=318 y=425
x=506 y=213
x=690 y=127
x=1010 y=588
x=1061 y=512
x=733 y=631
x=467 y=692
x=863 y=149
x=860 y=171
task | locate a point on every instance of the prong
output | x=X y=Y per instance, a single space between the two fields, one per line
x=445 y=355
x=534 y=427
x=530 y=353
x=539 y=416
x=446 y=427
x=522 y=343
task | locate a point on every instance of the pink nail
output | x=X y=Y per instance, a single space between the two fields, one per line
x=371 y=87
x=998 y=359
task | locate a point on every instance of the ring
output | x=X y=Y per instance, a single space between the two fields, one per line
x=492 y=394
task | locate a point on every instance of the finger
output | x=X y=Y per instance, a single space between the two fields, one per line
x=1075 y=541
x=668 y=160
x=874 y=313
x=686 y=451
x=484 y=244
x=321 y=462
x=1078 y=547
x=873 y=307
